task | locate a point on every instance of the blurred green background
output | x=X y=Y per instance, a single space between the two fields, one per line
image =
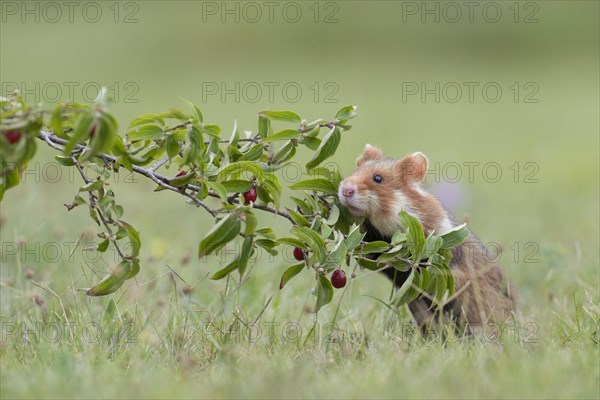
x=367 y=57
x=544 y=56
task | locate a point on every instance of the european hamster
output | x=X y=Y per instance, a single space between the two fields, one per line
x=378 y=189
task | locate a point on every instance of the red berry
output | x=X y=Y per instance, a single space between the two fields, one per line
x=180 y=173
x=12 y=136
x=298 y=254
x=250 y=195
x=338 y=279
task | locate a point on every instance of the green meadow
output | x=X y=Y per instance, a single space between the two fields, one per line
x=502 y=97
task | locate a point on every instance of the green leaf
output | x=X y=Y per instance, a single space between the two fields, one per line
x=64 y=160
x=273 y=189
x=104 y=136
x=202 y=191
x=334 y=215
x=280 y=116
x=93 y=185
x=224 y=231
x=222 y=273
x=298 y=218
x=354 y=238
x=237 y=168
x=179 y=134
x=415 y=235
x=195 y=109
x=374 y=247
x=211 y=130
x=251 y=222
x=293 y=242
x=432 y=245
x=323 y=171
x=326 y=149
x=175 y=113
x=263 y=196
x=134 y=270
x=399 y=237
x=9 y=180
x=337 y=256
x=237 y=186
x=103 y=245
x=437 y=283
x=311 y=238
x=267 y=244
x=172 y=147
x=112 y=282
x=312 y=143
x=132 y=235
x=324 y=292
x=449 y=281
x=309 y=235
x=218 y=188
x=235 y=136
x=290 y=273
x=253 y=154
x=455 y=236
x=304 y=207
x=56 y=123
x=193 y=147
x=285 y=153
x=83 y=127
x=406 y=293
x=318 y=184
x=181 y=181
x=146 y=132
x=346 y=113
x=392 y=254
x=264 y=126
x=402 y=265
x=245 y=254
x=147 y=119
x=371 y=265
x=346 y=220
x=423 y=277
x=283 y=135
x=119 y=150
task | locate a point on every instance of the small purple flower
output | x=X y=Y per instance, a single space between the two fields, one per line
x=453 y=196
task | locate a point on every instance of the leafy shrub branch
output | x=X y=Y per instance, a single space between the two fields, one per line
x=324 y=234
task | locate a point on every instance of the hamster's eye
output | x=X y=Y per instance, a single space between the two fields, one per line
x=378 y=179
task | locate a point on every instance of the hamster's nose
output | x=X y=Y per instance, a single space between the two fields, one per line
x=348 y=190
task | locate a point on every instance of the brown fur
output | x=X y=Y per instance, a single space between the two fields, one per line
x=480 y=296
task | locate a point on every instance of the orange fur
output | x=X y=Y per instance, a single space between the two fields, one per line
x=480 y=297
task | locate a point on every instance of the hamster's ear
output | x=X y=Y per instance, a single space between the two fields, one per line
x=370 y=153
x=412 y=168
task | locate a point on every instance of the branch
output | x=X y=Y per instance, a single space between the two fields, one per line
x=57 y=143
x=94 y=206
x=304 y=128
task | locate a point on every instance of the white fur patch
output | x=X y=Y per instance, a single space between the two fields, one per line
x=417 y=187
x=387 y=225
x=444 y=226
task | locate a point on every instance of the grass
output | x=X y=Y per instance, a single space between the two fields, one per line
x=158 y=338
x=174 y=352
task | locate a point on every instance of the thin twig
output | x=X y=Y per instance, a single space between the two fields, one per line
x=304 y=128
x=93 y=206
x=161 y=180
x=159 y=164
